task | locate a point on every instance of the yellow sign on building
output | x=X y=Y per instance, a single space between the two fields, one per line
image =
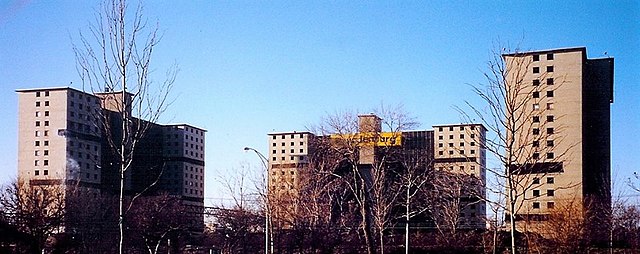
x=373 y=138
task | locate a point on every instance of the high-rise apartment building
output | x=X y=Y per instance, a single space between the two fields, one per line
x=460 y=149
x=565 y=130
x=62 y=142
x=453 y=149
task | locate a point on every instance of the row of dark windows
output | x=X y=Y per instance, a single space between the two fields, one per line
x=537 y=57
x=46 y=94
x=472 y=135
x=550 y=119
x=537 y=69
x=285 y=136
x=536 y=94
x=46 y=103
x=550 y=82
x=292 y=143
x=460 y=151
x=472 y=127
x=536 y=131
x=550 y=193
x=550 y=205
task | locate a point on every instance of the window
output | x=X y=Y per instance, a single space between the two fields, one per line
x=536 y=131
x=536 y=106
x=550 y=130
x=550 y=68
x=550 y=81
x=274 y=137
x=550 y=118
x=536 y=193
x=536 y=143
x=450 y=128
x=37 y=94
x=549 y=142
x=551 y=205
x=45 y=172
x=473 y=135
x=46 y=103
x=536 y=94
x=37 y=143
x=551 y=193
x=37 y=133
x=536 y=69
x=550 y=105
x=37 y=123
x=550 y=155
x=450 y=136
x=35 y=163
x=536 y=180
x=473 y=143
x=440 y=153
x=461 y=151
x=439 y=128
x=536 y=82
x=461 y=135
x=46 y=123
x=536 y=156
x=292 y=151
x=450 y=152
x=292 y=143
x=46 y=113
x=37 y=153
x=274 y=151
x=46 y=152
x=37 y=104
x=37 y=172
x=274 y=158
x=46 y=162
x=450 y=144
x=282 y=151
x=536 y=119
x=473 y=151
x=536 y=205
x=550 y=56
x=46 y=93
x=550 y=93
x=536 y=58
x=440 y=137
x=440 y=145
x=461 y=143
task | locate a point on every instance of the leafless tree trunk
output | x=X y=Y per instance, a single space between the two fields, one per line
x=115 y=58
x=508 y=96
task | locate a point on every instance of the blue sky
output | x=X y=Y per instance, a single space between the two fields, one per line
x=248 y=68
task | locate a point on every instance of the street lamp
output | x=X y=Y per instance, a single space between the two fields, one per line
x=265 y=162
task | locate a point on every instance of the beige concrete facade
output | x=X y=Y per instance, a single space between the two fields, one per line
x=460 y=149
x=60 y=141
x=58 y=136
x=289 y=159
x=564 y=125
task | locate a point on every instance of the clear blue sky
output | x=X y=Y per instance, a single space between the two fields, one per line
x=252 y=67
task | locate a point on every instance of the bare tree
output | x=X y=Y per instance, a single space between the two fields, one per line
x=344 y=154
x=237 y=221
x=38 y=211
x=415 y=179
x=115 y=58
x=526 y=149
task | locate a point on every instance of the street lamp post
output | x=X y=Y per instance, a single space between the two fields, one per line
x=265 y=162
